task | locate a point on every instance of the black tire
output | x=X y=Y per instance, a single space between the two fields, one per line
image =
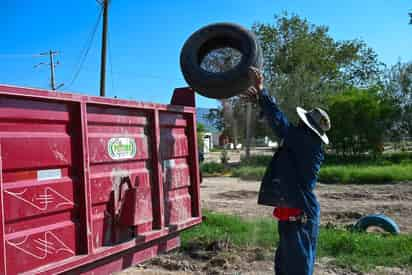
x=222 y=84
x=381 y=221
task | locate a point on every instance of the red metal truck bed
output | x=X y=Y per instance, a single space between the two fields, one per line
x=91 y=184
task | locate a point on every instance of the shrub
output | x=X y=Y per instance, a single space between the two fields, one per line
x=360 y=118
x=383 y=159
x=224 y=156
x=249 y=172
x=212 y=168
x=256 y=160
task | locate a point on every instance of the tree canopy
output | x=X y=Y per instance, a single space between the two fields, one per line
x=303 y=62
x=305 y=66
x=359 y=117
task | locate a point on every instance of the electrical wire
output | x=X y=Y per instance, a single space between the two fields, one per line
x=85 y=50
x=19 y=55
x=136 y=75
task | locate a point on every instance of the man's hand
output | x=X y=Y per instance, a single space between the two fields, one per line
x=253 y=91
x=256 y=75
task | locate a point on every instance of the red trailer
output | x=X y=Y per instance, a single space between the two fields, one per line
x=92 y=185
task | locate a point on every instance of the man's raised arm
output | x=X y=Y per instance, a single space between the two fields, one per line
x=276 y=118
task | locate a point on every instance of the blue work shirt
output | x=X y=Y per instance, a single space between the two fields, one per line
x=292 y=174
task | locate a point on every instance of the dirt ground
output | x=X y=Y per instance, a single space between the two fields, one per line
x=236 y=264
x=340 y=204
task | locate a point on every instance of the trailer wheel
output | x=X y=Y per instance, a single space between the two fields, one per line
x=378 y=221
x=223 y=84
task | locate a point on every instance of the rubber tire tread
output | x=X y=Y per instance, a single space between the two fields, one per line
x=378 y=220
x=223 y=84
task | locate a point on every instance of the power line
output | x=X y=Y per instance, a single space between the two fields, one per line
x=146 y=76
x=85 y=50
x=136 y=74
x=17 y=55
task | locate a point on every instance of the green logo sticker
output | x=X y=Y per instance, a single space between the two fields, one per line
x=121 y=148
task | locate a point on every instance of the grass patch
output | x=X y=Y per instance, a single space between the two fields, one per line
x=362 y=174
x=365 y=173
x=240 y=232
x=249 y=172
x=349 y=249
x=212 y=169
x=383 y=159
x=215 y=149
x=256 y=160
x=364 y=251
x=333 y=159
x=364 y=169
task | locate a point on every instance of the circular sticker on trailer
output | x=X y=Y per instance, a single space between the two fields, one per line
x=121 y=148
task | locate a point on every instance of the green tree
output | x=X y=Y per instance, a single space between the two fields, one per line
x=360 y=118
x=303 y=62
x=398 y=85
x=215 y=117
x=200 y=129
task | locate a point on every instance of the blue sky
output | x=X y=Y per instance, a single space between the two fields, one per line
x=146 y=37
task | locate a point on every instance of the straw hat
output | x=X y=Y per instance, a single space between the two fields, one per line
x=317 y=120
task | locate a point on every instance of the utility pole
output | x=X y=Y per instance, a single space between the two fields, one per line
x=51 y=55
x=248 y=129
x=105 y=4
x=52 y=84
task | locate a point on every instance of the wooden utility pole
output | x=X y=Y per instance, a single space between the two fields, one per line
x=51 y=55
x=52 y=83
x=248 y=129
x=105 y=4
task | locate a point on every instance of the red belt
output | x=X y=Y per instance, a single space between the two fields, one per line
x=286 y=214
